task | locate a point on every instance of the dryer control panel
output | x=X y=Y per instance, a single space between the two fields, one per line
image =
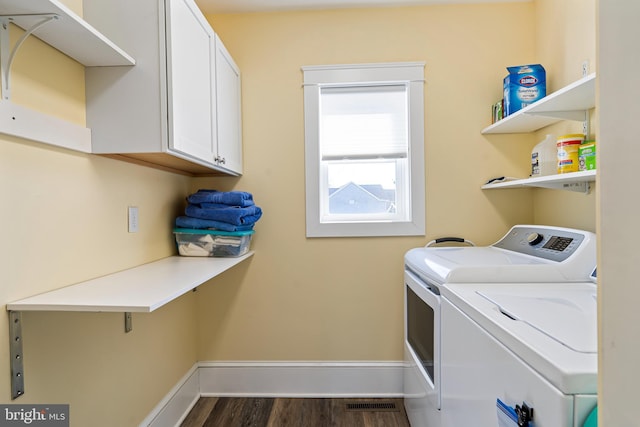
x=552 y=243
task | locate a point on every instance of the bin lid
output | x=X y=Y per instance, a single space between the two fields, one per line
x=210 y=231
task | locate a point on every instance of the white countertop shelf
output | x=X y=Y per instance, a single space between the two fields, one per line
x=69 y=34
x=569 y=103
x=141 y=289
x=573 y=181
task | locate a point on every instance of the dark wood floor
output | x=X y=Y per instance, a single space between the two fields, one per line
x=294 y=412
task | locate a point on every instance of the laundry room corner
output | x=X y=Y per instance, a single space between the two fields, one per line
x=337 y=299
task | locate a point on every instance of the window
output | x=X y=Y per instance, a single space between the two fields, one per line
x=364 y=150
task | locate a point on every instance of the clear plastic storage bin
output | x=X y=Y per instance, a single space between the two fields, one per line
x=212 y=243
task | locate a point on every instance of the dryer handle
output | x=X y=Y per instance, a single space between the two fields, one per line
x=450 y=240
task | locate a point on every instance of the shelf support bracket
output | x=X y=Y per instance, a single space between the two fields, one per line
x=578 y=187
x=128 y=322
x=7 y=54
x=586 y=125
x=16 y=356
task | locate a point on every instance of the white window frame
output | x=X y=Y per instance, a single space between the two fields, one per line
x=410 y=74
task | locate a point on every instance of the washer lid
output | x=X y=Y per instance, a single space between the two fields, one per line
x=553 y=313
x=480 y=265
x=568 y=316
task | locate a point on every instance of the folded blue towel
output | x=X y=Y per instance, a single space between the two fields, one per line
x=230 y=215
x=188 y=222
x=215 y=205
x=231 y=198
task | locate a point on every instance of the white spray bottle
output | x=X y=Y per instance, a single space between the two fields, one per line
x=544 y=157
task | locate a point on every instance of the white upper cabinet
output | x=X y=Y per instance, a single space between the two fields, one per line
x=164 y=111
x=190 y=82
x=229 y=125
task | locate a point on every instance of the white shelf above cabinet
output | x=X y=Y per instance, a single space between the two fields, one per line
x=141 y=289
x=572 y=102
x=574 y=181
x=70 y=34
x=22 y=122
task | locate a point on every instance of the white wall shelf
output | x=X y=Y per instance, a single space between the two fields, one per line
x=141 y=289
x=58 y=26
x=573 y=181
x=69 y=33
x=572 y=102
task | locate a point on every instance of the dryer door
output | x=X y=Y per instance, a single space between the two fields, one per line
x=422 y=333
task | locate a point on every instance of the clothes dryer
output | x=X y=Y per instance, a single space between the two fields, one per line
x=526 y=254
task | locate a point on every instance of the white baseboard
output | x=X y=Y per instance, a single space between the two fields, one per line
x=276 y=379
x=175 y=406
x=301 y=379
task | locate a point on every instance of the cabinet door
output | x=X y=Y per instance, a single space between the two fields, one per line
x=229 y=126
x=190 y=81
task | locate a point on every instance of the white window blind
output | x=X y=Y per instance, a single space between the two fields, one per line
x=363 y=122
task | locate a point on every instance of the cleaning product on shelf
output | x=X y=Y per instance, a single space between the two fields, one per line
x=544 y=157
x=587 y=156
x=568 y=148
x=524 y=85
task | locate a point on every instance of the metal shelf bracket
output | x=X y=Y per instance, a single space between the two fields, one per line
x=128 y=322
x=15 y=352
x=7 y=54
x=578 y=187
x=586 y=125
x=17 y=357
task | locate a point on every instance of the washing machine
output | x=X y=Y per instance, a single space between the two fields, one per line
x=519 y=352
x=525 y=254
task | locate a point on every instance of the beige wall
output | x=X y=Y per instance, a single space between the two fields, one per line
x=565 y=38
x=341 y=299
x=64 y=219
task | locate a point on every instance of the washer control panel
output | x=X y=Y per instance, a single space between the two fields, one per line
x=552 y=243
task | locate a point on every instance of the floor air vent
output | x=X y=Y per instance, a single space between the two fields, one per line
x=372 y=406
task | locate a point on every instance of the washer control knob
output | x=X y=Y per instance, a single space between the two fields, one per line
x=534 y=238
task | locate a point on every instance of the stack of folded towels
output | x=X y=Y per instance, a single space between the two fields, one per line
x=220 y=210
